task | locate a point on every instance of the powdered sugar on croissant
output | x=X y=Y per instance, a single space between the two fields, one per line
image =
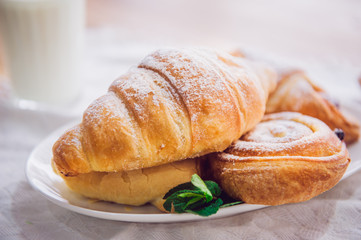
x=175 y=105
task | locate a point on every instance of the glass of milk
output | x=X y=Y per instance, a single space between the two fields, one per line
x=42 y=43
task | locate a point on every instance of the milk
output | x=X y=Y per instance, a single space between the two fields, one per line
x=42 y=43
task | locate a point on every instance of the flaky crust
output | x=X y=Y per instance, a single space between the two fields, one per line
x=176 y=104
x=135 y=187
x=297 y=93
x=287 y=158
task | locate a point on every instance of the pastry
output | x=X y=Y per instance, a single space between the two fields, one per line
x=176 y=104
x=296 y=93
x=135 y=187
x=287 y=158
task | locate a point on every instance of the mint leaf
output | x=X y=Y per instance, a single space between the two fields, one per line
x=195 y=202
x=198 y=182
x=168 y=203
x=181 y=196
x=198 y=204
x=183 y=186
x=199 y=197
x=208 y=210
x=231 y=204
x=179 y=206
x=213 y=188
x=191 y=194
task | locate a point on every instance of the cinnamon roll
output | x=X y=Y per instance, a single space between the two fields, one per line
x=286 y=158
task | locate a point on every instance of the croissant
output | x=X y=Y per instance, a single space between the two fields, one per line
x=137 y=141
x=295 y=92
x=176 y=104
x=287 y=158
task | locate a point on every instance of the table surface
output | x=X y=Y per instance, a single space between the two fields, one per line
x=320 y=37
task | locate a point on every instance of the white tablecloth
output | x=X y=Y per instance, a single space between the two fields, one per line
x=336 y=214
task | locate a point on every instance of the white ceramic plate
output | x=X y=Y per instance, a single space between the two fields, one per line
x=41 y=176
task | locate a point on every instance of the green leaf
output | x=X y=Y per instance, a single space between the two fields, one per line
x=191 y=194
x=197 y=204
x=208 y=210
x=199 y=197
x=198 y=182
x=231 y=204
x=179 y=206
x=213 y=188
x=183 y=186
x=192 y=203
x=176 y=194
x=181 y=196
x=168 y=203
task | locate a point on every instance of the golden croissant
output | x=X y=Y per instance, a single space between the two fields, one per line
x=297 y=93
x=287 y=158
x=175 y=105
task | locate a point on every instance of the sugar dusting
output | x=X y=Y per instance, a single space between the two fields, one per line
x=284 y=134
x=195 y=82
x=277 y=131
x=198 y=88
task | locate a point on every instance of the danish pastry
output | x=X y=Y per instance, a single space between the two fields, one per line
x=287 y=158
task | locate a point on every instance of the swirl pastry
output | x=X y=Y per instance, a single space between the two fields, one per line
x=296 y=93
x=176 y=105
x=287 y=158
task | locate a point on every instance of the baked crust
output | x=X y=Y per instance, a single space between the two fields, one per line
x=297 y=93
x=135 y=187
x=287 y=158
x=176 y=104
